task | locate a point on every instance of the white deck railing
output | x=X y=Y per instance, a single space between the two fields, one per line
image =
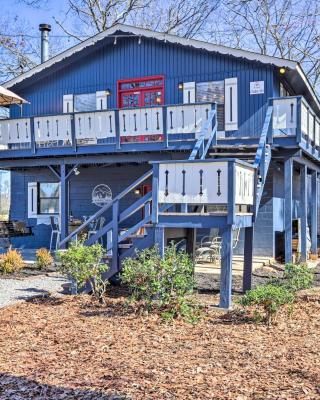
x=293 y=116
x=199 y=182
x=94 y=127
x=15 y=133
x=53 y=131
x=146 y=124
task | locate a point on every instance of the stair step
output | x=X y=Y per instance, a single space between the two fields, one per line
x=137 y=236
x=125 y=245
x=235 y=154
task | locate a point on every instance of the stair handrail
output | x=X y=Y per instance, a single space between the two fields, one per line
x=132 y=209
x=203 y=134
x=263 y=157
x=102 y=210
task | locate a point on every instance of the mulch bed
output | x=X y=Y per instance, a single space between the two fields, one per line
x=72 y=348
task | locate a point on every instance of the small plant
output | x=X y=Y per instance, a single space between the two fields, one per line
x=43 y=258
x=297 y=277
x=162 y=283
x=83 y=265
x=270 y=298
x=11 y=262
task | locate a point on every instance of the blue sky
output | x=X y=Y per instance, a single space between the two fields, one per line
x=36 y=16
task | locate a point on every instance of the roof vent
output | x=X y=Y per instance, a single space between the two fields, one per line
x=44 y=29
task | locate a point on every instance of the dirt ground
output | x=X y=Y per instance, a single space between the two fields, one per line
x=72 y=348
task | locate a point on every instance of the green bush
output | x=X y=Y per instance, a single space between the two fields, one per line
x=83 y=265
x=270 y=298
x=161 y=283
x=297 y=277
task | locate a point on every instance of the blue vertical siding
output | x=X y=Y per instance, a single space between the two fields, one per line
x=99 y=67
x=81 y=186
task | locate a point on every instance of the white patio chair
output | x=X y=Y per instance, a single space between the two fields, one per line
x=210 y=247
x=55 y=231
x=97 y=226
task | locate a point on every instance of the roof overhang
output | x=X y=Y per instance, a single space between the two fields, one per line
x=294 y=70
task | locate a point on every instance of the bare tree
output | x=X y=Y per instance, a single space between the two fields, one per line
x=94 y=16
x=283 y=28
x=185 y=17
x=17 y=53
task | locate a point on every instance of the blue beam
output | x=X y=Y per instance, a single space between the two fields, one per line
x=159 y=239
x=155 y=194
x=115 y=234
x=64 y=211
x=303 y=212
x=314 y=213
x=248 y=256
x=226 y=267
x=288 y=172
x=231 y=192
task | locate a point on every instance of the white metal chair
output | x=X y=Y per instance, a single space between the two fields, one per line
x=55 y=231
x=97 y=226
x=210 y=247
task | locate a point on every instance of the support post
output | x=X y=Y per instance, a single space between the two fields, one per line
x=191 y=241
x=33 y=137
x=226 y=267
x=248 y=256
x=159 y=239
x=314 y=213
x=155 y=194
x=64 y=204
x=303 y=212
x=288 y=172
x=115 y=234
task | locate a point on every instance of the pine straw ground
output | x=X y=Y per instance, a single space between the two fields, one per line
x=70 y=348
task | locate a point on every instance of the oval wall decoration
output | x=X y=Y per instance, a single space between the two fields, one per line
x=101 y=195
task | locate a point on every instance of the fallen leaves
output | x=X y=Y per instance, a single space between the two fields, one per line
x=72 y=348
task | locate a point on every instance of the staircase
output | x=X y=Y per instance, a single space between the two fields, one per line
x=125 y=243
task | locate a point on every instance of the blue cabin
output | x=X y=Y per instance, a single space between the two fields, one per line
x=140 y=138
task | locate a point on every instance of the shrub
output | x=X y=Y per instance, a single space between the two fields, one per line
x=11 y=261
x=83 y=265
x=161 y=283
x=43 y=258
x=297 y=277
x=270 y=298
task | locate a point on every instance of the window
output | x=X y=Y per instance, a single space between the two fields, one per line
x=48 y=198
x=212 y=92
x=85 y=102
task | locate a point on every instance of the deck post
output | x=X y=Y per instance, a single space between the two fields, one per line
x=248 y=256
x=159 y=239
x=314 y=213
x=191 y=241
x=303 y=211
x=226 y=267
x=288 y=173
x=115 y=234
x=64 y=211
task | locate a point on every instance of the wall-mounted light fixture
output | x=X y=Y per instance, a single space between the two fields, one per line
x=137 y=191
x=108 y=92
x=139 y=41
x=158 y=99
x=282 y=70
x=76 y=171
x=115 y=40
x=180 y=85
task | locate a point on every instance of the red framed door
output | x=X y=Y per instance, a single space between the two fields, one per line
x=141 y=92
